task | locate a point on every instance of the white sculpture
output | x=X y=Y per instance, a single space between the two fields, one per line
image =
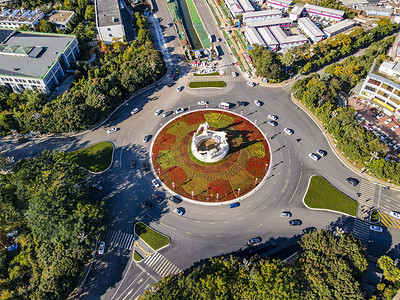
x=209 y=146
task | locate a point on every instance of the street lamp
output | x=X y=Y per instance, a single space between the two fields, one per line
x=173 y=186
x=217 y=196
x=238 y=192
x=256 y=181
x=255 y=122
x=159 y=172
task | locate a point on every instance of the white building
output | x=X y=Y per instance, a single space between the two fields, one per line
x=296 y=12
x=281 y=22
x=61 y=18
x=14 y=18
x=109 y=21
x=379 y=11
x=311 y=30
x=339 y=27
x=234 y=7
x=33 y=60
x=253 y=37
x=246 y=5
x=261 y=15
x=285 y=41
x=4 y=2
x=324 y=12
x=269 y=39
x=281 y=4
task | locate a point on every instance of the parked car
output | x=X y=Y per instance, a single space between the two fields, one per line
x=314 y=156
x=392 y=143
x=234 y=74
x=155 y=183
x=257 y=102
x=167 y=113
x=170 y=84
x=133 y=164
x=376 y=228
x=394 y=128
x=273 y=117
x=286 y=214
x=352 y=181
x=294 y=223
x=23 y=140
x=288 y=131
x=252 y=84
x=178 y=211
x=175 y=199
x=148 y=205
x=254 y=241
x=135 y=111
x=97 y=186
x=179 y=88
x=158 y=112
x=395 y=214
x=388 y=121
x=380 y=116
x=157 y=197
x=321 y=152
x=111 y=130
x=397 y=146
x=146 y=138
x=202 y=103
x=272 y=123
x=146 y=167
x=179 y=110
x=102 y=246
x=233 y=205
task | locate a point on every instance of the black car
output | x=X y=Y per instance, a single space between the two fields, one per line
x=23 y=140
x=175 y=199
x=170 y=84
x=352 y=181
x=294 y=223
x=254 y=241
x=148 y=205
x=157 y=198
x=146 y=167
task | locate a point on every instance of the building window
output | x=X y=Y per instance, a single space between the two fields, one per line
x=374 y=82
x=368 y=88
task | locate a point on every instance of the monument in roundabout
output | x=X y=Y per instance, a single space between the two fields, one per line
x=210 y=155
x=209 y=146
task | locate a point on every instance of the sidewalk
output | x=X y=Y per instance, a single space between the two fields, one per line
x=142 y=248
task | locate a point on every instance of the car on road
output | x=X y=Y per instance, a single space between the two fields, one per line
x=294 y=223
x=157 y=197
x=179 y=58
x=288 y=131
x=254 y=241
x=286 y=214
x=252 y=84
x=202 y=103
x=321 y=152
x=395 y=214
x=158 y=112
x=179 y=88
x=167 y=113
x=395 y=127
x=170 y=84
x=135 y=111
x=133 y=164
x=388 y=121
x=273 y=117
x=233 y=205
x=180 y=110
x=178 y=211
x=272 y=123
x=148 y=205
x=155 y=183
x=146 y=167
x=111 y=130
x=257 y=102
x=380 y=116
x=102 y=246
x=376 y=228
x=97 y=186
x=23 y=140
x=234 y=74
x=169 y=24
x=146 y=138
x=352 y=181
x=314 y=156
x=175 y=199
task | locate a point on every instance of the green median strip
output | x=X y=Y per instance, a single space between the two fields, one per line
x=136 y=256
x=205 y=84
x=207 y=74
x=154 y=239
x=198 y=25
x=322 y=195
x=96 y=158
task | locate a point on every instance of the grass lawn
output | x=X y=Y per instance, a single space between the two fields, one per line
x=201 y=84
x=95 y=158
x=154 y=239
x=136 y=256
x=208 y=74
x=321 y=194
x=374 y=216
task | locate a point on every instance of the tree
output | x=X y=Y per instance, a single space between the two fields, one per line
x=287 y=58
x=89 y=13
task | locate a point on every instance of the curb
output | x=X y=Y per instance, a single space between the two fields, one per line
x=325 y=209
x=111 y=163
x=213 y=203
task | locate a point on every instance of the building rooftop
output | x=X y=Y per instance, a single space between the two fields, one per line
x=339 y=26
x=234 y=6
x=283 y=38
x=27 y=60
x=376 y=8
x=358 y=2
x=324 y=9
x=246 y=5
x=287 y=2
x=297 y=10
x=311 y=26
x=4 y=34
x=262 y=13
x=108 y=13
x=20 y=15
x=254 y=37
x=267 y=36
x=61 y=17
x=269 y=22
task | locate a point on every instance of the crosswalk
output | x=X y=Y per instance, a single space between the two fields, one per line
x=161 y=265
x=389 y=221
x=361 y=231
x=367 y=194
x=114 y=239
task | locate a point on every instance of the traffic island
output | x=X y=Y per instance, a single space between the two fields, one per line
x=152 y=238
x=321 y=195
x=207 y=84
x=136 y=256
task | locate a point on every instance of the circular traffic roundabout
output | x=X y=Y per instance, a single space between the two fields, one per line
x=210 y=156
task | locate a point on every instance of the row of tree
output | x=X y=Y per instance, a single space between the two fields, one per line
x=45 y=207
x=329 y=266
x=307 y=58
x=319 y=93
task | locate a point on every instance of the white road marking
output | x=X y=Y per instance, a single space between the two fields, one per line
x=260 y=225
x=168 y=226
x=298 y=183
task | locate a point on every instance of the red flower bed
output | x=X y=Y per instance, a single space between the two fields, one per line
x=164 y=141
x=194 y=118
x=174 y=175
x=256 y=167
x=222 y=188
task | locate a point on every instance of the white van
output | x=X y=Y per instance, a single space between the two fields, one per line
x=224 y=105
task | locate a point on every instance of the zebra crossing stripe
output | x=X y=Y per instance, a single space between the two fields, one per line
x=160 y=266
x=153 y=259
x=167 y=270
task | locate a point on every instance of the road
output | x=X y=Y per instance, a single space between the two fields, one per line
x=204 y=231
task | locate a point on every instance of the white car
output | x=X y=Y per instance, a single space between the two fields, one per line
x=111 y=130
x=313 y=156
x=135 y=111
x=395 y=214
x=321 y=152
x=155 y=183
x=288 y=131
x=273 y=117
x=97 y=186
x=202 y=103
x=376 y=228
x=179 y=110
x=252 y=84
x=158 y=112
x=102 y=247
x=388 y=121
x=178 y=211
x=380 y=116
x=392 y=143
x=146 y=139
x=257 y=102
x=180 y=88
x=395 y=127
x=234 y=74
x=397 y=146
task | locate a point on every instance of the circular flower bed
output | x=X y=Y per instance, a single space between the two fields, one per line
x=239 y=172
